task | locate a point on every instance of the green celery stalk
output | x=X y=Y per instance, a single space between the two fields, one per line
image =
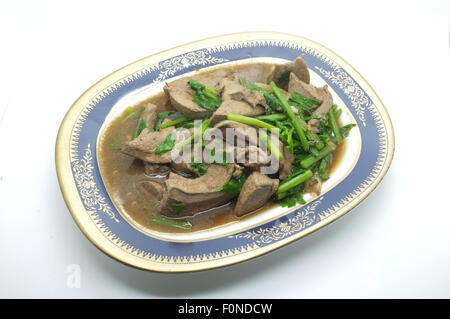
x=311 y=159
x=204 y=126
x=132 y=114
x=288 y=110
x=272 y=117
x=174 y=122
x=334 y=126
x=275 y=151
x=177 y=223
x=288 y=184
x=250 y=121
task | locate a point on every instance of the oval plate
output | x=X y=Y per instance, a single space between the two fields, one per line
x=368 y=156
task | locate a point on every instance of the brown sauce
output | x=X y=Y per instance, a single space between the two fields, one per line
x=121 y=172
x=338 y=153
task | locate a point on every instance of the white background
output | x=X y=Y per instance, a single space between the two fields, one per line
x=396 y=244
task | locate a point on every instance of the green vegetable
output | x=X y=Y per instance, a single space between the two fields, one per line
x=211 y=92
x=132 y=114
x=334 y=126
x=142 y=125
x=233 y=186
x=250 y=121
x=287 y=134
x=292 y=182
x=188 y=125
x=312 y=116
x=311 y=159
x=271 y=100
x=195 y=85
x=167 y=144
x=129 y=110
x=314 y=151
x=274 y=150
x=313 y=137
x=293 y=199
x=295 y=121
x=310 y=135
x=338 y=114
x=303 y=103
x=197 y=132
x=346 y=129
x=272 y=117
x=325 y=138
x=292 y=196
x=323 y=168
x=273 y=103
x=175 y=122
x=113 y=142
x=222 y=156
x=177 y=223
x=201 y=167
x=252 y=86
x=178 y=207
x=288 y=138
x=205 y=97
x=219 y=159
x=287 y=130
x=160 y=118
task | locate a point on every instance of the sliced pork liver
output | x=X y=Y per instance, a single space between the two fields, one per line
x=306 y=89
x=235 y=107
x=149 y=115
x=197 y=194
x=322 y=95
x=287 y=163
x=245 y=145
x=237 y=99
x=269 y=88
x=314 y=185
x=246 y=133
x=297 y=67
x=181 y=94
x=143 y=147
x=233 y=90
x=252 y=157
x=300 y=69
x=256 y=72
x=256 y=191
x=324 y=107
x=186 y=168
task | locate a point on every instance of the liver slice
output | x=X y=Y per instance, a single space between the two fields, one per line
x=197 y=194
x=255 y=192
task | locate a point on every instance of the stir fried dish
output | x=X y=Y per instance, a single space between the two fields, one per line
x=221 y=144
